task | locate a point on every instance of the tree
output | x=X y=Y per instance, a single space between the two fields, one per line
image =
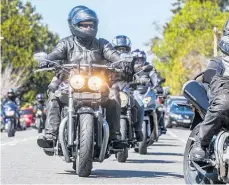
x=187 y=44
x=24 y=35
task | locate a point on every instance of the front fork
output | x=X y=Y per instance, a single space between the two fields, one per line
x=70 y=118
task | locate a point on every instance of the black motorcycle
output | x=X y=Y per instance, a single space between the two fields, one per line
x=128 y=114
x=214 y=170
x=83 y=131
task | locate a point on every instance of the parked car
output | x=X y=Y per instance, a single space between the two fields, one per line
x=26 y=116
x=179 y=113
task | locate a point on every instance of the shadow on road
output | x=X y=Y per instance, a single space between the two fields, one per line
x=148 y=161
x=165 y=153
x=164 y=144
x=126 y=174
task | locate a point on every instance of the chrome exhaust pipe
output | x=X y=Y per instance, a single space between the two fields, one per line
x=106 y=134
x=62 y=140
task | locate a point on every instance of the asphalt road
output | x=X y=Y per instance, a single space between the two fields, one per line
x=23 y=162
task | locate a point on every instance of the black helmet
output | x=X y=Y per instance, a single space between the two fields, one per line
x=11 y=94
x=122 y=43
x=139 y=56
x=81 y=14
x=40 y=97
x=224 y=41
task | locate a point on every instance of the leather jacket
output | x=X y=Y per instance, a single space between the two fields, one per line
x=70 y=50
x=155 y=78
x=98 y=51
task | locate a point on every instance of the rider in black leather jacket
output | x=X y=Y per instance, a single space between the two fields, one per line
x=123 y=45
x=82 y=46
x=155 y=80
x=218 y=111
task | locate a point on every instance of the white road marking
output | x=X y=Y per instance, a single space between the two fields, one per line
x=175 y=136
x=12 y=143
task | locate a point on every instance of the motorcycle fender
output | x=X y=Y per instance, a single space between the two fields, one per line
x=86 y=110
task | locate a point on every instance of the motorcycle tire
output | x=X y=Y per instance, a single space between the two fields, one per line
x=85 y=150
x=122 y=156
x=143 y=143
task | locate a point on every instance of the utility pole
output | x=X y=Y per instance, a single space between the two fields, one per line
x=215 y=42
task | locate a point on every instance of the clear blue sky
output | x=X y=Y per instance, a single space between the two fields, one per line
x=133 y=18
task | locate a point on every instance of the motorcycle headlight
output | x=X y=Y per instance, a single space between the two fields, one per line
x=146 y=100
x=9 y=113
x=77 y=82
x=94 y=83
x=124 y=99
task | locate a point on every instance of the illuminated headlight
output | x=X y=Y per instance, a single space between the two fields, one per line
x=10 y=113
x=146 y=100
x=124 y=99
x=39 y=112
x=77 y=82
x=94 y=83
x=177 y=116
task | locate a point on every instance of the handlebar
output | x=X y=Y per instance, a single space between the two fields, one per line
x=70 y=66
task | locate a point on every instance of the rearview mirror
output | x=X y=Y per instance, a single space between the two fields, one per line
x=147 y=68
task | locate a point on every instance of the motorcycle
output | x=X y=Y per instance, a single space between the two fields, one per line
x=128 y=116
x=215 y=169
x=10 y=117
x=40 y=121
x=150 y=128
x=83 y=131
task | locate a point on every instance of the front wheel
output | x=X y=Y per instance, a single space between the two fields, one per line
x=85 y=149
x=122 y=156
x=143 y=143
x=11 y=129
x=39 y=127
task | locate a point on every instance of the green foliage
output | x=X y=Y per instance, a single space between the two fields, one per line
x=188 y=42
x=24 y=35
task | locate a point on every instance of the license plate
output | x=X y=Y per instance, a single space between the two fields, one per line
x=187 y=121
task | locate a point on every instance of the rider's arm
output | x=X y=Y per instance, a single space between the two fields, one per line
x=59 y=52
x=109 y=52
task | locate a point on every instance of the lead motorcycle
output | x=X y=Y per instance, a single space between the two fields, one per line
x=215 y=170
x=83 y=131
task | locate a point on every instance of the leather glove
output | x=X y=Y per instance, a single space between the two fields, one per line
x=42 y=64
x=40 y=58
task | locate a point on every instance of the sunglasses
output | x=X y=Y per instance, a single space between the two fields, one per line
x=86 y=25
x=123 y=49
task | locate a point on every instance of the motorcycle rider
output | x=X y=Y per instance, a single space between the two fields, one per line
x=11 y=96
x=40 y=105
x=123 y=45
x=82 y=46
x=155 y=79
x=218 y=111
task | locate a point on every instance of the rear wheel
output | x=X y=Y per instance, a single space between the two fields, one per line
x=85 y=149
x=143 y=143
x=122 y=156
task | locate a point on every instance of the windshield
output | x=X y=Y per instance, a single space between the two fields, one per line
x=26 y=111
